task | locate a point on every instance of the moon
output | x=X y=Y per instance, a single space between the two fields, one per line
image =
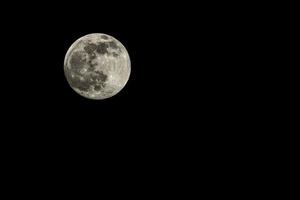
x=97 y=66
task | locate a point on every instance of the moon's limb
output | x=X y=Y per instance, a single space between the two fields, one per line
x=97 y=66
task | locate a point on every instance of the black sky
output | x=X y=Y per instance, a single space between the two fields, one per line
x=185 y=60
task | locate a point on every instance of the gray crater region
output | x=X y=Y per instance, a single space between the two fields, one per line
x=97 y=66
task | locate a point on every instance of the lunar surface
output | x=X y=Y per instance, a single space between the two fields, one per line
x=97 y=66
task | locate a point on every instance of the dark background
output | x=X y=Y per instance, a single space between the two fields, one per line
x=188 y=89
x=189 y=118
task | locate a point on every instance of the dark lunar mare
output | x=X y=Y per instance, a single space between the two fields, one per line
x=102 y=48
x=95 y=78
x=113 y=45
x=98 y=79
x=104 y=37
x=77 y=62
x=90 y=48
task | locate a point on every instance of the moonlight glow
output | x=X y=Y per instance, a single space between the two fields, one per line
x=97 y=66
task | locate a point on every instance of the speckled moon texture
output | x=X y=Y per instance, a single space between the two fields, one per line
x=97 y=66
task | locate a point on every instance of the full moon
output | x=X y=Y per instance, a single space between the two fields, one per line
x=97 y=66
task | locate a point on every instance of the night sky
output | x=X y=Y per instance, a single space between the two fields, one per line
x=188 y=72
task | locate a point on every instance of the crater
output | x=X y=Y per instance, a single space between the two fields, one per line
x=92 y=56
x=115 y=54
x=105 y=37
